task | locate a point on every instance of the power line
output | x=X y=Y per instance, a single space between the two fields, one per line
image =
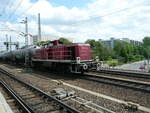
x=24 y=12
x=5 y=26
x=4 y=9
x=19 y=4
x=108 y=14
x=10 y=4
x=9 y=17
x=11 y=30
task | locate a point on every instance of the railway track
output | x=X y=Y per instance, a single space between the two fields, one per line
x=127 y=83
x=35 y=99
x=124 y=73
x=13 y=100
x=39 y=80
x=85 y=105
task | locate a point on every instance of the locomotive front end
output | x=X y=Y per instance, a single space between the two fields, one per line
x=84 y=61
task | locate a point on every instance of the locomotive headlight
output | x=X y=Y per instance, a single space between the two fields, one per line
x=85 y=66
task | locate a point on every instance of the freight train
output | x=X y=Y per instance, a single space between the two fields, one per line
x=56 y=56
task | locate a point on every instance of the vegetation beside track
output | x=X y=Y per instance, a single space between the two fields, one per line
x=123 y=52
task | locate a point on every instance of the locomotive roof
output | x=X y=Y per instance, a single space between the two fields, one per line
x=60 y=43
x=67 y=45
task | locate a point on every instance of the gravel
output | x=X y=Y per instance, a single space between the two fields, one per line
x=45 y=84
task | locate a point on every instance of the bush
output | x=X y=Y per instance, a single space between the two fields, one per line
x=133 y=58
x=112 y=62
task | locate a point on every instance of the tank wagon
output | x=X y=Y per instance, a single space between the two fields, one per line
x=18 y=56
x=75 y=58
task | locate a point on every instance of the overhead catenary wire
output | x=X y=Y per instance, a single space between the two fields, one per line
x=92 y=17
x=24 y=12
x=78 y=22
x=108 y=14
x=14 y=11
x=4 y=9
x=7 y=27
x=10 y=5
x=10 y=30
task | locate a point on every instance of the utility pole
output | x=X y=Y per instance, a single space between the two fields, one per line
x=27 y=62
x=39 y=27
x=10 y=43
x=7 y=45
x=25 y=21
x=17 y=45
x=26 y=31
x=26 y=42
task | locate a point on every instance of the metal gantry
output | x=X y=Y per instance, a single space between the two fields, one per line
x=9 y=43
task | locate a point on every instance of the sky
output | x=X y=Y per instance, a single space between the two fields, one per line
x=77 y=19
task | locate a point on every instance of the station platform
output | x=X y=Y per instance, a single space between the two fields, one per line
x=4 y=107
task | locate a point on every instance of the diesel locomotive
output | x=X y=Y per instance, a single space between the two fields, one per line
x=56 y=56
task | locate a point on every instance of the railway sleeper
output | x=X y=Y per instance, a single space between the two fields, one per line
x=29 y=97
x=37 y=103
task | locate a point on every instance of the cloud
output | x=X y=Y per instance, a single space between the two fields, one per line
x=97 y=19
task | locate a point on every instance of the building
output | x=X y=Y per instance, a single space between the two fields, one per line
x=46 y=37
x=126 y=40
x=111 y=43
x=134 y=42
x=34 y=39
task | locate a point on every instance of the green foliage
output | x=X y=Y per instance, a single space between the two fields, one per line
x=99 y=50
x=64 y=40
x=91 y=42
x=123 y=52
x=146 y=41
x=112 y=62
x=146 y=52
x=43 y=43
x=146 y=47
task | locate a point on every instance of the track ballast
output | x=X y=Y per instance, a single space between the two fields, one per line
x=133 y=84
x=34 y=98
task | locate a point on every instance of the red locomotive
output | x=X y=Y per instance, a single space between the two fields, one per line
x=75 y=58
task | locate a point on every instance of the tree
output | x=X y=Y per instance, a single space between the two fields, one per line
x=125 y=51
x=64 y=40
x=43 y=43
x=146 y=41
x=91 y=42
x=99 y=49
x=146 y=52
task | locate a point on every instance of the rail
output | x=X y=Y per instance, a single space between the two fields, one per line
x=67 y=108
x=132 y=84
x=124 y=73
x=25 y=108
